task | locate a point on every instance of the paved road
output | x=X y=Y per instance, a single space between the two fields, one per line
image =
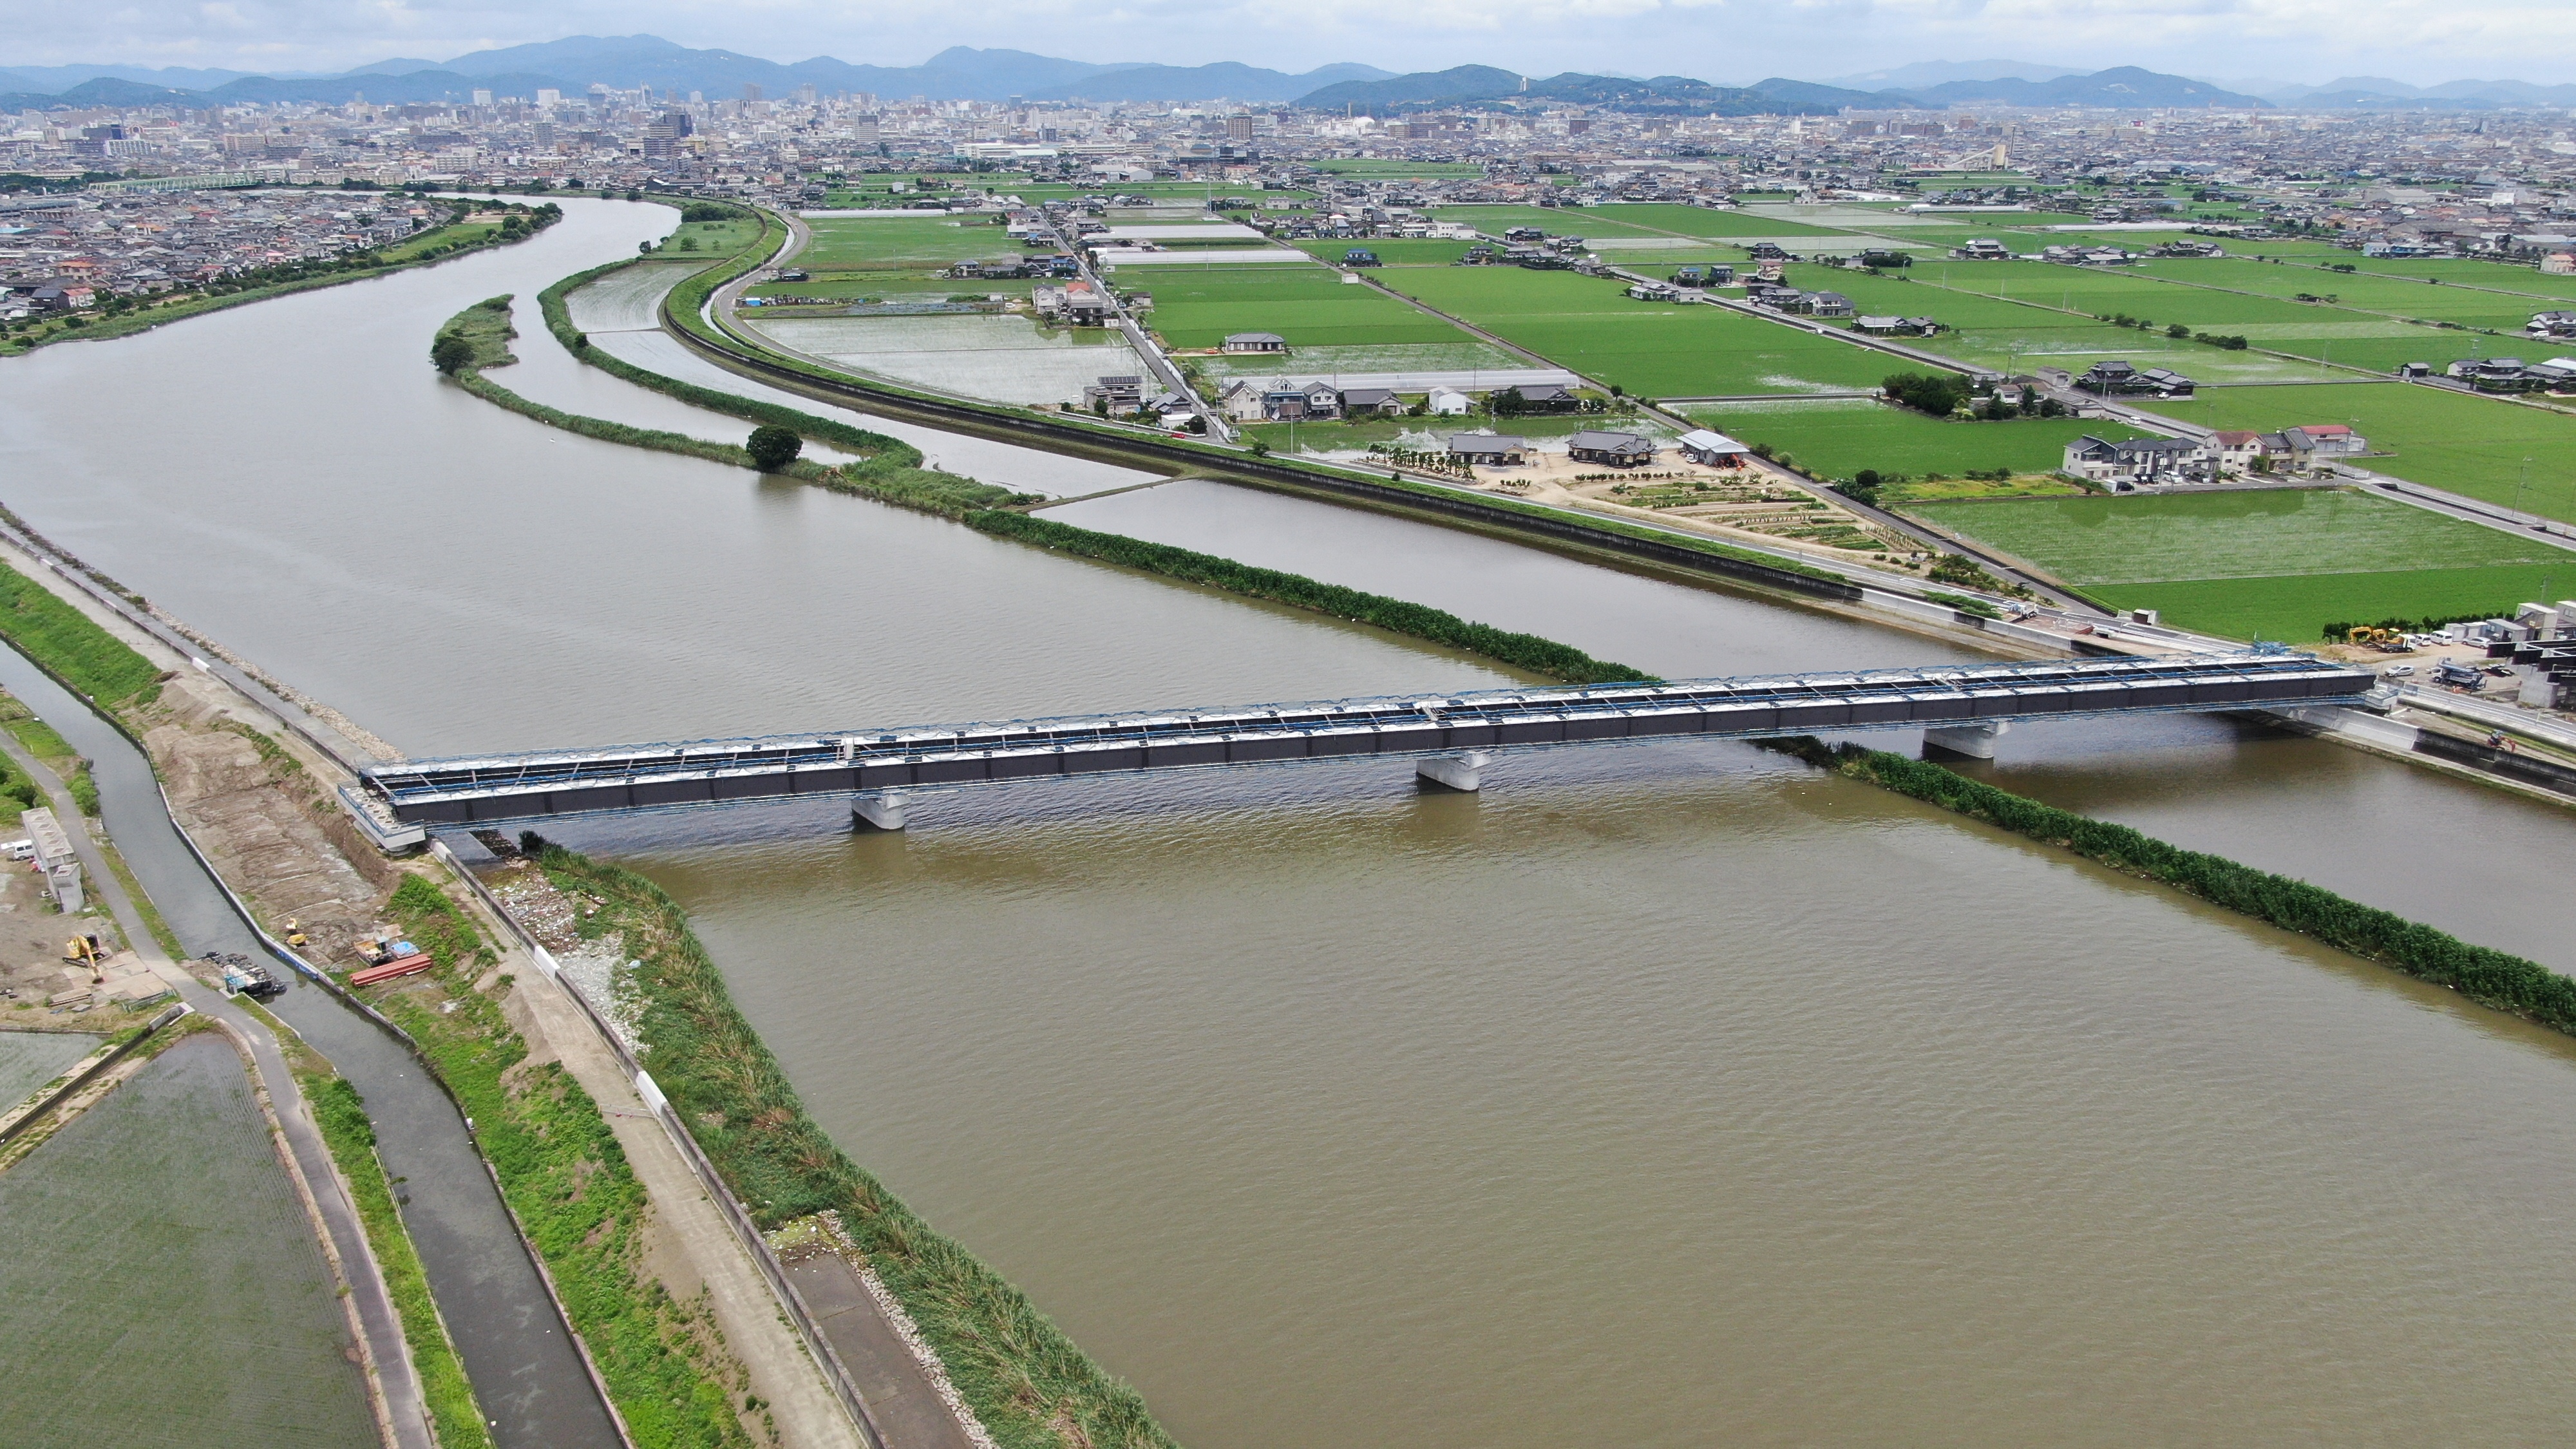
x=389 y=1359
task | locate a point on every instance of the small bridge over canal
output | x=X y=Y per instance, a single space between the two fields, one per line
x=1450 y=737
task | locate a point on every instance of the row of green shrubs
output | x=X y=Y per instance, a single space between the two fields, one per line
x=1420 y=621
x=1030 y=1384
x=2486 y=976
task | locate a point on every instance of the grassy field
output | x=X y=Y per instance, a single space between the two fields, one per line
x=1554 y=220
x=2514 y=277
x=852 y=243
x=2470 y=445
x=1650 y=349
x=30 y=1059
x=1836 y=438
x=1702 y=221
x=2277 y=563
x=2361 y=290
x=1310 y=306
x=1397 y=253
x=164 y=1285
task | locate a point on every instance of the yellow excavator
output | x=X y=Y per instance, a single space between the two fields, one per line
x=85 y=951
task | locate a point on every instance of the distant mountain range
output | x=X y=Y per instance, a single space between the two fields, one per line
x=2124 y=88
x=575 y=64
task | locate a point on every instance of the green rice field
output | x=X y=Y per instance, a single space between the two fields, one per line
x=854 y=243
x=1554 y=220
x=2002 y=334
x=1311 y=306
x=1395 y=253
x=1702 y=221
x=1836 y=438
x=163 y=1284
x=2469 y=445
x=30 y=1059
x=2266 y=563
x=1590 y=325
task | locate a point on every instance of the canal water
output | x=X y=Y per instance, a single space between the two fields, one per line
x=1663 y=1095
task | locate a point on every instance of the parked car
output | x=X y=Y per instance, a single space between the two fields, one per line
x=2398 y=671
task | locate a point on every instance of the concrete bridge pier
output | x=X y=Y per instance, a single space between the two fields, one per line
x=877 y=810
x=1455 y=772
x=1976 y=741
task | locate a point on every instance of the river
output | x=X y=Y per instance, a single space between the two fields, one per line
x=1657 y=1096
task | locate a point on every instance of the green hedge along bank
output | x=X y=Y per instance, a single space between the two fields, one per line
x=2489 y=977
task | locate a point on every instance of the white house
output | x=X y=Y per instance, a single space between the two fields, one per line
x=1449 y=402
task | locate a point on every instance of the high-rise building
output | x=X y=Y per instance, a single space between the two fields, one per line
x=751 y=92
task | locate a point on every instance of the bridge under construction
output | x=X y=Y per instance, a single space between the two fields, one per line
x=1451 y=737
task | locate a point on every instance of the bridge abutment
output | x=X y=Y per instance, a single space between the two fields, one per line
x=1462 y=771
x=877 y=810
x=1976 y=741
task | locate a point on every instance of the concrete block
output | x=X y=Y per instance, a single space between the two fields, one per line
x=1455 y=772
x=877 y=810
x=1976 y=741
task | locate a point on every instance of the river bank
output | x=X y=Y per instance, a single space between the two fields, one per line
x=440 y=243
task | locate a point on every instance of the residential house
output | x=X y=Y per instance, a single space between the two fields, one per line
x=1488 y=450
x=1654 y=292
x=1256 y=342
x=2313 y=440
x=1448 y=402
x=2239 y=453
x=1619 y=450
x=1359 y=257
x=1118 y=395
x=2494 y=374
x=2138 y=462
x=2558 y=264
x=1897 y=326
x=2552 y=324
x=1240 y=401
x=1290 y=402
x=1548 y=397
x=1983 y=249
x=1379 y=400
x=1713 y=450
x=2119 y=379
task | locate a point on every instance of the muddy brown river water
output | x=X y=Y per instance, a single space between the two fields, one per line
x=1665 y=1095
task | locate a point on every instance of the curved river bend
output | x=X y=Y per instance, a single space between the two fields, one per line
x=1659 y=1096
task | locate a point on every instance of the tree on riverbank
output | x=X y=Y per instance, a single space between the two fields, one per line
x=450 y=352
x=773 y=447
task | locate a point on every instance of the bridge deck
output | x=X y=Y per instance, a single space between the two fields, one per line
x=643 y=777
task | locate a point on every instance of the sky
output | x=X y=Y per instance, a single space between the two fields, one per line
x=1716 y=40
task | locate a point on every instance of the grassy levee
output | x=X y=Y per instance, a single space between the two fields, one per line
x=71 y=646
x=1420 y=621
x=485 y=325
x=449 y=239
x=342 y=1116
x=2486 y=976
x=1030 y=1384
x=568 y=1182
x=889 y=469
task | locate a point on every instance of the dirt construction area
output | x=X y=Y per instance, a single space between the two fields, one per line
x=1753 y=504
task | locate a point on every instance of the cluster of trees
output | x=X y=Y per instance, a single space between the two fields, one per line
x=1939 y=394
